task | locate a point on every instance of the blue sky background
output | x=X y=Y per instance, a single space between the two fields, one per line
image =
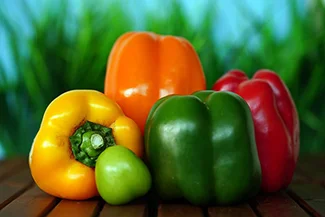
x=230 y=25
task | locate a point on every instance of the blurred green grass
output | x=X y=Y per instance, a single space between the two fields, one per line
x=59 y=58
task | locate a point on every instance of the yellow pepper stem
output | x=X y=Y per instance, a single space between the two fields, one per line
x=89 y=141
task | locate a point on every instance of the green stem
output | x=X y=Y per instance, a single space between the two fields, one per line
x=89 y=141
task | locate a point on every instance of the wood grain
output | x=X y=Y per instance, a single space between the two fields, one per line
x=9 y=167
x=129 y=210
x=13 y=186
x=243 y=210
x=309 y=196
x=33 y=203
x=69 y=208
x=304 y=197
x=279 y=205
x=176 y=210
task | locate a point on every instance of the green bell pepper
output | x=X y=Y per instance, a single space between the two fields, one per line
x=201 y=147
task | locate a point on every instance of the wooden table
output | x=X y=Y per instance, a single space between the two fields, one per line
x=19 y=196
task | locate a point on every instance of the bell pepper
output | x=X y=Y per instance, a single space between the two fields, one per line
x=143 y=67
x=201 y=147
x=76 y=127
x=276 y=123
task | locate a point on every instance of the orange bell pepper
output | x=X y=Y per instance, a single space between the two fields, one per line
x=76 y=127
x=144 y=66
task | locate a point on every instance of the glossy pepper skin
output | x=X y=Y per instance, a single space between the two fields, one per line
x=54 y=166
x=144 y=66
x=276 y=123
x=121 y=176
x=201 y=147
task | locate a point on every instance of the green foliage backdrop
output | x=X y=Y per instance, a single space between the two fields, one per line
x=58 y=58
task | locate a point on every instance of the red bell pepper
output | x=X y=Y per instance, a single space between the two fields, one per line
x=276 y=123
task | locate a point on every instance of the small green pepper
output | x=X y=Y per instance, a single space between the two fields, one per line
x=121 y=176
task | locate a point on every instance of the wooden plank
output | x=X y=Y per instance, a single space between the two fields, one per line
x=176 y=210
x=129 y=210
x=317 y=158
x=278 y=204
x=309 y=196
x=242 y=210
x=300 y=178
x=69 y=208
x=11 y=166
x=312 y=167
x=13 y=186
x=308 y=191
x=33 y=203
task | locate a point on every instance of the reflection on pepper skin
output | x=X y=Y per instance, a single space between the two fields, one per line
x=276 y=123
x=144 y=67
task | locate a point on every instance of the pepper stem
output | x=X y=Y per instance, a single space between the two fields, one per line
x=89 y=141
x=97 y=141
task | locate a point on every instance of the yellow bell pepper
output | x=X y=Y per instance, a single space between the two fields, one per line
x=76 y=127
